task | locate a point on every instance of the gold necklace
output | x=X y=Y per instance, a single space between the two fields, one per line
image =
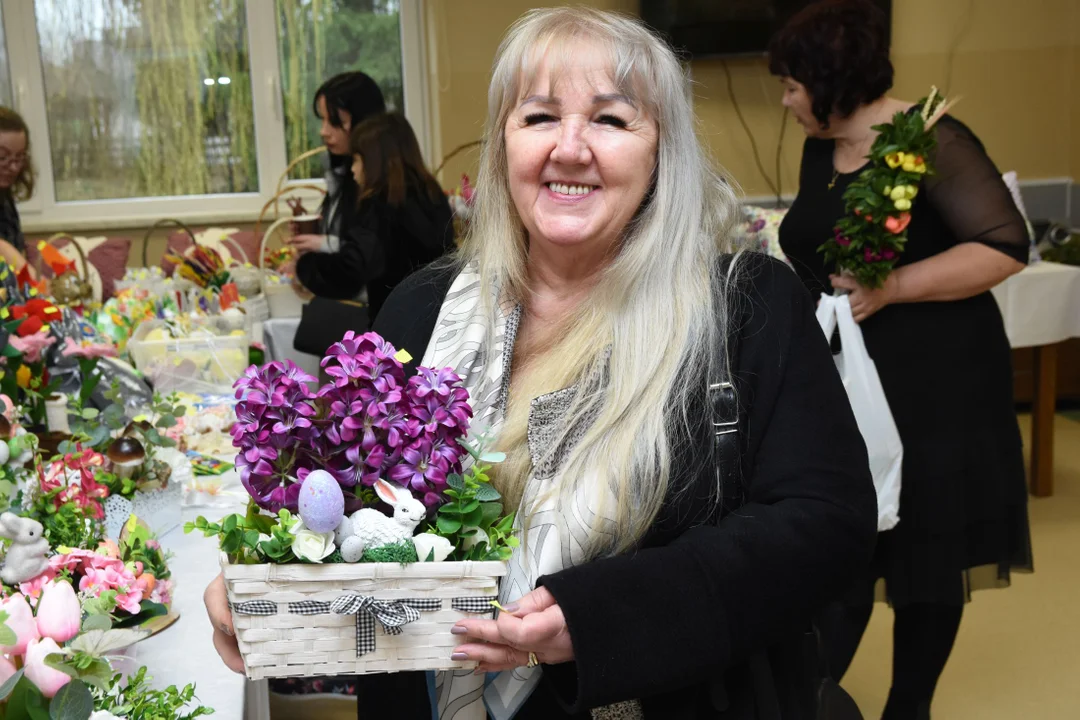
x=835 y=177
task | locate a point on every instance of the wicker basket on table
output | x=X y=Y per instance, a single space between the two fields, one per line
x=355 y=618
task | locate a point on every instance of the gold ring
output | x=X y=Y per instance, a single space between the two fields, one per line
x=533 y=661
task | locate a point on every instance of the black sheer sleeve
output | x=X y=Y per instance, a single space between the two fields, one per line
x=968 y=192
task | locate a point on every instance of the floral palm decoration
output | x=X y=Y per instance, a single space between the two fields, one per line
x=868 y=240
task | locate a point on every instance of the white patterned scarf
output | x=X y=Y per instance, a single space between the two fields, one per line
x=555 y=540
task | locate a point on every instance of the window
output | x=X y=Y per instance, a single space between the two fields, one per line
x=5 y=71
x=147 y=99
x=145 y=109
x=320 y=39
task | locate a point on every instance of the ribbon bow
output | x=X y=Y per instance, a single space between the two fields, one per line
x=392 y=614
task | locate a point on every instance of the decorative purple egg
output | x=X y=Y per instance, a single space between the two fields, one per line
x=322 y=504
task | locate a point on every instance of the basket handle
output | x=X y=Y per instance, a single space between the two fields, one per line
x=277 y=196
x=164 y=222
x=262 y=243
x=78 y=248
x=455 y=152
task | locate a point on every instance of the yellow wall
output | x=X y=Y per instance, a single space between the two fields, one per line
x=1016 y=64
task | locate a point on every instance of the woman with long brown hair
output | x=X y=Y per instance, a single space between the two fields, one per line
x=402 y=222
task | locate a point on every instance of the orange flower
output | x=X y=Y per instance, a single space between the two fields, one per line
x=896 y=224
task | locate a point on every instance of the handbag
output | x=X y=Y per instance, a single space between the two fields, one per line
x=868 y=402
x=324 y=321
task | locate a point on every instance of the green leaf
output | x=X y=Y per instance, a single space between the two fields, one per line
x=474 y=518
x=72 y=702
x=59 y=661
x=491 y=512
x=7 y=635
x=230 y=524
x=430 y=556
x=493 y=457
x=455 y=481
x=487 y=493
x=90 y=413
x=96 y=622
x=448 y=524
x=469 y=506
x=251 y=538
x=9 y=684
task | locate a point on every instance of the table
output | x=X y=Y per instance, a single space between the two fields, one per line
x=184 y=653
x=278 y=334
x=1041 y=309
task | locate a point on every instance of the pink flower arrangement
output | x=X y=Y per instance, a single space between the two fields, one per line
x=21 y=622
x=32 y=345
x=59 y=613
x=74 y=348
x=99 y=573
x=71 y=479
x=47 y=680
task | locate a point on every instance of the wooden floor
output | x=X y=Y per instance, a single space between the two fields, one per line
x=1018 y=652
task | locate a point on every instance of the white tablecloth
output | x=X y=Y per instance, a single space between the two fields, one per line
x=1041 y=304
x=278 y=337
x=184 y=653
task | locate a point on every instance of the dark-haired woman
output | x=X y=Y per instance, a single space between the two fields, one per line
x=402 y=219
x=341 y=103
x=16 y=183
x=935 y=334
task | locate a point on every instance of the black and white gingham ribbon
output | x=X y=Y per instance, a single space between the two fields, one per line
x=391 y=614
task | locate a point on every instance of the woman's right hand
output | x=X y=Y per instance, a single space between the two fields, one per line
x=217 y=607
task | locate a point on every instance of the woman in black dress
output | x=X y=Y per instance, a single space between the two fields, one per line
x=936 y=335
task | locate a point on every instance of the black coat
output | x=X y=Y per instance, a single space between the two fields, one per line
x=708 y=619
x=380 y=246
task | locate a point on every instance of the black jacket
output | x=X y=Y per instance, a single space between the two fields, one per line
x=708 y=619
x=380 y=246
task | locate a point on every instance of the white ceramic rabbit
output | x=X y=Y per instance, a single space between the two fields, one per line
x=369 y=528
x=25 y=558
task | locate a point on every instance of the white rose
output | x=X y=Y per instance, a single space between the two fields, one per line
x=310 y=545
x=472 y=538
x=425 y=543
x=104 y=715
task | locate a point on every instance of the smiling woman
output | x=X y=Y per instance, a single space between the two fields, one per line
x=599 y=322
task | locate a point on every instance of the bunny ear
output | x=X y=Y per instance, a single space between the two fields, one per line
x=386 y=492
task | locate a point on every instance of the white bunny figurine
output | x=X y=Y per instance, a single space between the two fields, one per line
x=26 y=557
x=369 y=528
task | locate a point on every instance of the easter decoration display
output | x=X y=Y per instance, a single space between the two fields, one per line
x=60 y=628
x=370 y=506
x=868 y=240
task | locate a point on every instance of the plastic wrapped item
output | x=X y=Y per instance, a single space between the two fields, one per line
x=200 y=355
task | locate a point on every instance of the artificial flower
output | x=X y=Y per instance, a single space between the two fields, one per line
x=7 y=669
x=31 y=346
x=47 y=680
x=310 y=545
x=429 y=543
x=59 y=613
x=894 y=159
x=902 y=205
x=74 y=348
x=32 y=588
x=21 y=622
x=896 y=224
x=22 y=377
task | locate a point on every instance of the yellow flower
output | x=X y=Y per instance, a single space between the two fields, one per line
x=894 y=159
x=902 y=205
x=22 y=376
x=897 y=193
x=909 y=164
x=887 y=191
x=910 y=191
x=920 y=166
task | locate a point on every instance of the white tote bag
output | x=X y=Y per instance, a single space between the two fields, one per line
x=868 y=402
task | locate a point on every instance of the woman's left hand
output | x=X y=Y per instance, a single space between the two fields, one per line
x=864 y=301
x=534 y=623
x=304 y=244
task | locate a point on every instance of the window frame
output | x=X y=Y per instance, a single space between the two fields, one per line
x=43 y=213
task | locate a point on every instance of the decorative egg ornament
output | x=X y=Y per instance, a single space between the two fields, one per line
x=321 y=502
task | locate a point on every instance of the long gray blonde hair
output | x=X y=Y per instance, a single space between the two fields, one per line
x=652 y=312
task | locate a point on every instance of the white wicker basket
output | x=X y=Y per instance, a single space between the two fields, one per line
x=302 y=620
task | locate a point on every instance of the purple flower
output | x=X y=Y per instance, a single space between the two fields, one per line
x=417 y=467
